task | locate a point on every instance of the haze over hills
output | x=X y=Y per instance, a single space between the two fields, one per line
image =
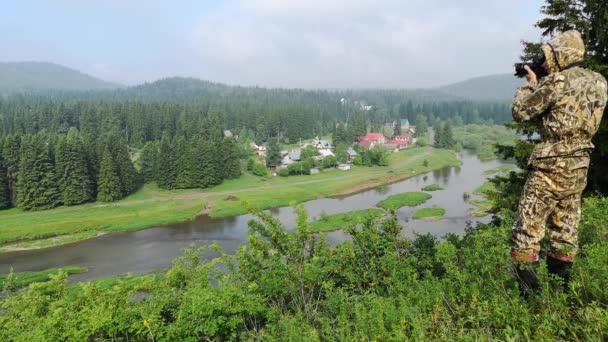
x=20 y=76
x=23 y=76
x=485 y=88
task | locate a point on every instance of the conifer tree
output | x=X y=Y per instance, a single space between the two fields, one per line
x=11 y=155
x=37 y=184
x=438 y=135
x=210 y=172
x=166 y=161
x=421 y=126
x=231 y=163
x=148 y=159
x=273 y=153
x=186 y=164
x=448 y=136
x=109 y=187
x=397 y=128
x=71 y=167
x=4 y=195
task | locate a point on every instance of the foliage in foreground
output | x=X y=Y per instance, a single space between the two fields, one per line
x=294 y=286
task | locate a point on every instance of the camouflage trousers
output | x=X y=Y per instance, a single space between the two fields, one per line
x=551 y=201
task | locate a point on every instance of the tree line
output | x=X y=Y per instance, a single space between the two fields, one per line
x=180 y=107
x=44 y=170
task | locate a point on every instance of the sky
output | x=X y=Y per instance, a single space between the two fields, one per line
x=273 y=43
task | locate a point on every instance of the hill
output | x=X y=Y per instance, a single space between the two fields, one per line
x=20 y=76
x=485 y=88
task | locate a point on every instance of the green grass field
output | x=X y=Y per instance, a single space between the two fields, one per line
x=152 y=206
x=339 y=221
x=432 y=187
x=13 y=281
x=84 y=222
x=410 y=199
x=433 y=213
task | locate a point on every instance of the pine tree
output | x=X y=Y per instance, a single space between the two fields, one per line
x=71 y=168
x=166 y=162
x=5 y=201
x=231 y=162
x=209 y=171
x=109 y=187
x=447 y=136
x=438 y=137
x=148 y=159
x=397 y=128
x=124 y=166
x=186 y=165
x=11 y=154
x=273 y=153
x=37 y=184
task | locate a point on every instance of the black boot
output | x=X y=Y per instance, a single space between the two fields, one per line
x=559 y=268
x=528 y=278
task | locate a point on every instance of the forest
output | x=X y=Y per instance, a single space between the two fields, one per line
x=68 y=148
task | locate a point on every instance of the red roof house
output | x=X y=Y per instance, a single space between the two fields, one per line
x=377 y=138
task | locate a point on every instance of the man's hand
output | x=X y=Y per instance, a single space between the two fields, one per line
x=530 y=76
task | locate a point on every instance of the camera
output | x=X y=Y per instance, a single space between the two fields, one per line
x=536 y=66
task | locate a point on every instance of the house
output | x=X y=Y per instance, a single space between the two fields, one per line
x=403 y=138
x=290 y=158
x=397 y=145
x=321 y=144
x=367 y=145
x=344 y=167
x=377 y=138
x=261 y=150
x=228 y=134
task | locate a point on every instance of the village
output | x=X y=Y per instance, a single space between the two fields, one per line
x=325 y=156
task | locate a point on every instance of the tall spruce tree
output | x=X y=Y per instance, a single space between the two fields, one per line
x=186 y=164
x=148 y=158
x=11 y=154
x=397 y=128
x=448 y=136
x=273 y=153
x=5 y=201
x=109 y=185
x=231 y=163
x=71 y=167
x=167 y=169
x=210 y=171
x=438 y=140
x=37 y=184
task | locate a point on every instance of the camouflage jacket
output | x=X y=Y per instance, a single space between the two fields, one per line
x=569 y=102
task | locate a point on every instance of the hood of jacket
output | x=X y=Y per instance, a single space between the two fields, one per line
x=563 y=50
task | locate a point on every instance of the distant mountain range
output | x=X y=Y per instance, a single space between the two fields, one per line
x=486 y=88
x=23 y=76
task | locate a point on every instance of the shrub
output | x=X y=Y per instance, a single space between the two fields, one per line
x=260 y=170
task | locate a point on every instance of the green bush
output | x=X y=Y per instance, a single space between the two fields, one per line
x=283 y=172
x=260 y=170
x=377 y=285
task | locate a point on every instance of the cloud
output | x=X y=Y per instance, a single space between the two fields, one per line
x=360 y=43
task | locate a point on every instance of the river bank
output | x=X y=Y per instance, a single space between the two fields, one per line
x=152 y=207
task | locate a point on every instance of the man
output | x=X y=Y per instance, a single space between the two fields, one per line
x=569 y=104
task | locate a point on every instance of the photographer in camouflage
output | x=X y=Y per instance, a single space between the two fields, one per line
x=569 y=104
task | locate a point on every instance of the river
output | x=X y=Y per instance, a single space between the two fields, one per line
x=155 y=248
